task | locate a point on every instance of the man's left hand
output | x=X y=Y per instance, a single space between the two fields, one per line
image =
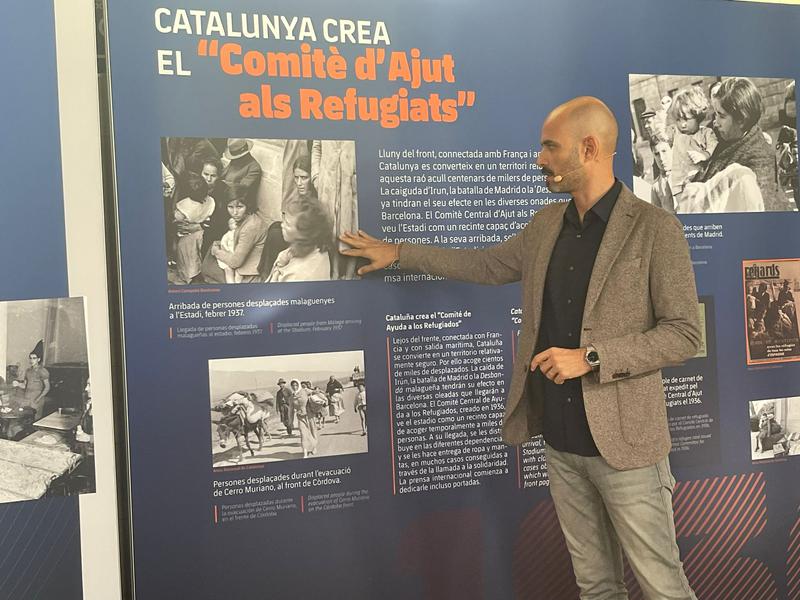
x=560 y=364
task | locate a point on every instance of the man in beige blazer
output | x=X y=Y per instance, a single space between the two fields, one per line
x=608 y=299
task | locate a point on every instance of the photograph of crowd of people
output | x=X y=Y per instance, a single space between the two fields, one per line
x=273 y=408
x=256 y=210
x=46 y=425
x=715 y=144
x=774 y=428
x=770 y=290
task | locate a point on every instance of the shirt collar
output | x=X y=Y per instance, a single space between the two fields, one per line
x=602 y=208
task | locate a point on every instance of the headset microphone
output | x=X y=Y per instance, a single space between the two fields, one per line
x=560 y=178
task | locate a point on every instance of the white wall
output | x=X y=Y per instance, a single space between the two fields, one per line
x=83 y=203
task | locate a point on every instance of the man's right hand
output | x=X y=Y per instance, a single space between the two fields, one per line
x=362 y=245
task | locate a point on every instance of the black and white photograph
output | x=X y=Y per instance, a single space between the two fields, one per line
x=295 y=406
x=240 y=210
x=774 y=428
x=714 y=144
x=46 y=425
x=702 y=352
x=771 y=288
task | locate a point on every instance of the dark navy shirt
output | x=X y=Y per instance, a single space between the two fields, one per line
x=568 y=274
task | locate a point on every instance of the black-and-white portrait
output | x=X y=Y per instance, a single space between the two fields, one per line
x=711 y=144
x=774 y=428
x=46 y=424
x=271 y=408
x=257 y=211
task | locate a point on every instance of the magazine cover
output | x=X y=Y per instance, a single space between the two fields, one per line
x=770 y=289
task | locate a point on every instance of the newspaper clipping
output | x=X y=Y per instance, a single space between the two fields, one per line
x=770 y=289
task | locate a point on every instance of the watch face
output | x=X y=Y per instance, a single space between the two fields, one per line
x=593 y=357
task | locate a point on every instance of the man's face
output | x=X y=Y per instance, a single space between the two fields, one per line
x=663 y=156
x=559 y=156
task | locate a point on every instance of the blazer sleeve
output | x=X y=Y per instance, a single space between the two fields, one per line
x=494 y=265
x=676 y=335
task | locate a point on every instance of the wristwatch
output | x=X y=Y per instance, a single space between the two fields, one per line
x=592 y=357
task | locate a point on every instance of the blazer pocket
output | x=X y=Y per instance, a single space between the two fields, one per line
x=632 y=263
x=642 y=410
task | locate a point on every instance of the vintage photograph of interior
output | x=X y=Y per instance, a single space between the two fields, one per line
x=46 y=425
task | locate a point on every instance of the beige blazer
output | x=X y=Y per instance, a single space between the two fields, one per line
x=641 y=314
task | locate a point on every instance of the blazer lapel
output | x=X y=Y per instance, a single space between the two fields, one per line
x=620 y=225
x=547 y=242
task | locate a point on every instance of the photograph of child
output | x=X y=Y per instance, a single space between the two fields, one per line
x=715 y=144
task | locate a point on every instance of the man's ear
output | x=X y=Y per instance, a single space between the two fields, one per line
x=591 y=148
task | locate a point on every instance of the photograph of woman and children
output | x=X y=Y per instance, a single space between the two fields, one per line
x=257 y=211
x=273 y=408
x=715 y=144
x=774 y=428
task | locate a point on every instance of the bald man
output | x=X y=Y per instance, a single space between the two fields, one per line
x=608 y=299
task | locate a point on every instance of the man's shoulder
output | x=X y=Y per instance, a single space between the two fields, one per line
x=647 y=212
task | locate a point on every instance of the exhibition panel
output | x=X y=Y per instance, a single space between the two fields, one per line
x=251 y=343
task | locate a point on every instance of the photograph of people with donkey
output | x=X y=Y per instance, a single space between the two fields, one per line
x=273 y=408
